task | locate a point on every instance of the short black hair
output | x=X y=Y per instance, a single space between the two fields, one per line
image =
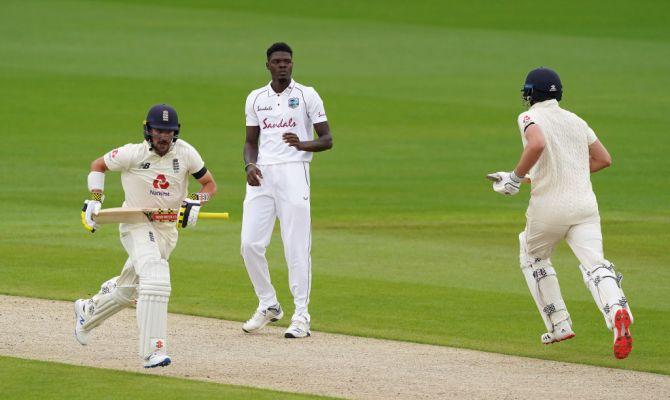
x=279 y=46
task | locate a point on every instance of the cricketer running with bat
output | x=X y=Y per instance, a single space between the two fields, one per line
x=560 y=152
x=154 y=174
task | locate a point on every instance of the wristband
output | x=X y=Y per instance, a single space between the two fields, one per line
x=200 y=196
x=97 y=196
x=96 y=181
x=248 y=164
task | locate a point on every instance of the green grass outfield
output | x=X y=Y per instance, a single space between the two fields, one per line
x=410 y=243
x=28 y=379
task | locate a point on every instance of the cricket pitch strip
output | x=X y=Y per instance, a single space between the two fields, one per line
x=343 y=366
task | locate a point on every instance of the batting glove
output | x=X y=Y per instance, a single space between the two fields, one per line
x=506 y=183
x=188 y=213
x=91 y=208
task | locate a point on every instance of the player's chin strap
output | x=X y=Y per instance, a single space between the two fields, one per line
x=526 y=95
x=604 y=283
x=147 y=136
x=151 y=147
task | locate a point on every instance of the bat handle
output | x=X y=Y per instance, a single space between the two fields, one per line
x=213 y=215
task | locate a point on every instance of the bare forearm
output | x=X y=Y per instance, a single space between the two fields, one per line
x=599 y=157
x=321 y=143
x=250 y=153
x=596 y=165
x=531 y=153
x=209 y=188
x=98 y=165
x=528 y=158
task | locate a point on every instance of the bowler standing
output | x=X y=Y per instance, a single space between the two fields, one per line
x=281 y=118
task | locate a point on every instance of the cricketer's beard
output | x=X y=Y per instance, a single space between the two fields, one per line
x=162 y=146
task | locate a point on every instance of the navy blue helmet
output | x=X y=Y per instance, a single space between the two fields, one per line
x=542 y=84
x=162 y=117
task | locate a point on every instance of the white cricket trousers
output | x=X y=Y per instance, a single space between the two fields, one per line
x=143 y=241
x=585 y=240
x=148 y=249
x=284 y=193
x=136 y=239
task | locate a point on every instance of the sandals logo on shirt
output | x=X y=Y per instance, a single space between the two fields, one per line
x=293 y=102
x=269 y=124
x=161 y=182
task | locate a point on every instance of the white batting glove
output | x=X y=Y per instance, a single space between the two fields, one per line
x=91 y=208
x=188 y=213
x=506 y=183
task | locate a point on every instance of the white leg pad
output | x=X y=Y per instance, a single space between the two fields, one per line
x=604 y=283
x=152 y=306
x=543 y=285
x=105 y=304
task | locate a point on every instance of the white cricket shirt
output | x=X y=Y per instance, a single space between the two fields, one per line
x=561 y=191
x=150 y=180
x=294 y=110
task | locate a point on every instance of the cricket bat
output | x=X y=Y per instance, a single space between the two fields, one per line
x=136 y=215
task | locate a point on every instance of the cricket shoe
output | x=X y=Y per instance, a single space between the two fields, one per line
x=80 y=316
x=623 y=341
x=562 y=331
x=262 y=318
x=157 y=360
x=299 y=328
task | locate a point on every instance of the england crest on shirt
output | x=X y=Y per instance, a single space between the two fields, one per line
x=293 y=102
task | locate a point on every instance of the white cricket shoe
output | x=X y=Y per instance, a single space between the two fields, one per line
x=80 y=317
x=262 y=318
x=157 y=360
x=562 y=331
x=299 y=328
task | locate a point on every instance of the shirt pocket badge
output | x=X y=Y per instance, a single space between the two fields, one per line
x=293 y=102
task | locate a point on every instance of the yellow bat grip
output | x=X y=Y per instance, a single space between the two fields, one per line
x=212 y=215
